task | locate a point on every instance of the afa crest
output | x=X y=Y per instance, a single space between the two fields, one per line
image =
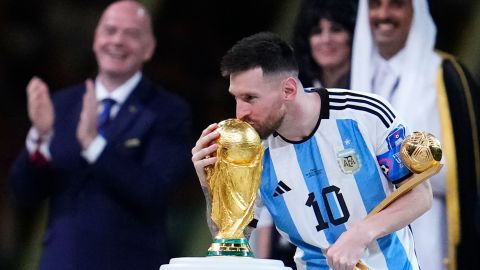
x=349 y=161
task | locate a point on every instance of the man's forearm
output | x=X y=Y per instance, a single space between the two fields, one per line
x=400 y=213
x=211 y=225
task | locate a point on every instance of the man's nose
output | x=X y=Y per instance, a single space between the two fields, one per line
x=117 y=38
x=383 y=11
x=242 y=110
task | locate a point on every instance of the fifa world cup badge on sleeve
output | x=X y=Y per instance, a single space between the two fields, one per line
x=390 y=162
x=396 y=137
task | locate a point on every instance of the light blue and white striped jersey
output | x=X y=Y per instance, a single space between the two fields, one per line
x=315 y=189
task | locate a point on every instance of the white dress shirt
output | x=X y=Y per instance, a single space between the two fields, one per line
x=386 y=74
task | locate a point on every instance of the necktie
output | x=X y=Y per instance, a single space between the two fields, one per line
x=104 y=117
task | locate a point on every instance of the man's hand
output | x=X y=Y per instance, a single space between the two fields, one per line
x=348 y=249
x=203 y=154
x=40 y=108
x=87 y=126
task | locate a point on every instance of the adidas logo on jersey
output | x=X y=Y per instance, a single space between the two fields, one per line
x=281 y=188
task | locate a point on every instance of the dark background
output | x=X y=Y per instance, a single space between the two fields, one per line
x=52 y=39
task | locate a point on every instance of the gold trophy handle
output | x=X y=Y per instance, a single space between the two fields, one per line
x=413 y=181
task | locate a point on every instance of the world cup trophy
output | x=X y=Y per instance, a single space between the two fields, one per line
x=421 y=153
x=233 y=183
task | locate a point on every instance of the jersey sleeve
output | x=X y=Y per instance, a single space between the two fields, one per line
x=389 y=141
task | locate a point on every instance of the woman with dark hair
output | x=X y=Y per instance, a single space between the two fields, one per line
x=322 y=40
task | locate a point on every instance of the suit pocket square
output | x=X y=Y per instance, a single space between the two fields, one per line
x=134 y=142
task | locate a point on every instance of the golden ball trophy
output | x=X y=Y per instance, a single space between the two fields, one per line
x=421 y=153
x=233 y=184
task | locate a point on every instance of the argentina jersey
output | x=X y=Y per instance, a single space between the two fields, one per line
x=317 y=188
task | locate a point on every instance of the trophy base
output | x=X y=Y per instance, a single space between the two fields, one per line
x=223 y=263
x=230 y=247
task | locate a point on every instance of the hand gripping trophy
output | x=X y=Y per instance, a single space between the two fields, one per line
x=421 y=153
x=233 y=184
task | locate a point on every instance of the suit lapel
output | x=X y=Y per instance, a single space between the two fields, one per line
x=129 y=111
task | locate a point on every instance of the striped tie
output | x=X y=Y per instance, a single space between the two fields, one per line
x=104 y=117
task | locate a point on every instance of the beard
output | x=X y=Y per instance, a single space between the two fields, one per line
x=268 y=126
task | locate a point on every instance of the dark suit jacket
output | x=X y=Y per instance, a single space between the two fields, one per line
x=110 y=214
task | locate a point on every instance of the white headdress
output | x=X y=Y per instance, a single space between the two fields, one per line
x=421 y=62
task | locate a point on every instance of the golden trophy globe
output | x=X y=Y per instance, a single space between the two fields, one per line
x=233 y=183
x=420 y=151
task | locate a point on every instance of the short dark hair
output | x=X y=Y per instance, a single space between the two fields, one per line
x=265 y=50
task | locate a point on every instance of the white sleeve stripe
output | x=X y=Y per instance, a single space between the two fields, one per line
x=365 y=109
x=362 y=95
x=361 y=101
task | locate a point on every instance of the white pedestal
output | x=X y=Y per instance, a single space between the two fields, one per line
x=223 y=263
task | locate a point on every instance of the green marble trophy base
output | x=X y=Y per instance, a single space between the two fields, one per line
x=230 y=247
